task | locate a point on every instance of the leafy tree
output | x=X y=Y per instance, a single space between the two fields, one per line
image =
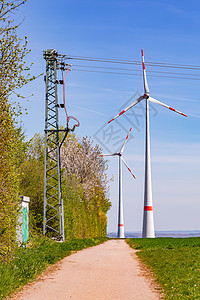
x=14 y=73
x=82 y=160
x=85 y=188
x=12 y=151
x=32 y=181
x=85 y=202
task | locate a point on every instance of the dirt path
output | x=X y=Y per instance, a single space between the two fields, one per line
x=110 y=271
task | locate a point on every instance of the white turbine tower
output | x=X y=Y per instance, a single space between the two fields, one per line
x=120 y=213
x=148 y=223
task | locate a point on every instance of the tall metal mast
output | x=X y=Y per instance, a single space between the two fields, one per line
x=53 y=224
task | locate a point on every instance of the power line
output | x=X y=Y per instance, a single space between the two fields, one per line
x=122 y=69
x=132 y=74
x=132 y=62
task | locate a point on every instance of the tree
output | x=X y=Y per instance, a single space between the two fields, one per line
x=83 y=160
x=84 y=191
x=14 y=73
x=85 y=188
x=32 y=181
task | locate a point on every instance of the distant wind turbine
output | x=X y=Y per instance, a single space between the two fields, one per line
x=120 y=213
x=148 y=222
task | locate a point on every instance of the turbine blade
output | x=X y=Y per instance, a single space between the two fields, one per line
x=123 y=111
x=122 y=149
x=127 y=167
x=146 y=88
x=158 y=102
x=112 y=154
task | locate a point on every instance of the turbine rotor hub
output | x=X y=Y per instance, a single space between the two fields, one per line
x=146 y=96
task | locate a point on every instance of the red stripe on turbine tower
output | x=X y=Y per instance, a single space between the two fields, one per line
x=120 y=225
x=148 y=208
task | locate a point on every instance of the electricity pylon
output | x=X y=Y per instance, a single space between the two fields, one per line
x=53 y=224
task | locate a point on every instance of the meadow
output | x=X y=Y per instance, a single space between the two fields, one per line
x=29 y=262
x=175 y=263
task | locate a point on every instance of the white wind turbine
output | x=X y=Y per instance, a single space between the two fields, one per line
x=148 y=223
x=120 y=213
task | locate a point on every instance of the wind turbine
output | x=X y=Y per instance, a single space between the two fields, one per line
x=120 y=213
x=148 y=222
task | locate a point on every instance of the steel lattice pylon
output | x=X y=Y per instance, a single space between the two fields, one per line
x=53 y=205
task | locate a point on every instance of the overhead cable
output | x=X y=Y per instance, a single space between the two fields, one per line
x=133 y=74
x=122 y=69
x=133 y=62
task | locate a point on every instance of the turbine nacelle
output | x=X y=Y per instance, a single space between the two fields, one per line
x=120 y=153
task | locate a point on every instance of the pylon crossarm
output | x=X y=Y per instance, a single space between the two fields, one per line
x=59 y=130
x=65 y=136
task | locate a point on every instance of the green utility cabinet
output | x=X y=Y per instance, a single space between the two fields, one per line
x=23 y=223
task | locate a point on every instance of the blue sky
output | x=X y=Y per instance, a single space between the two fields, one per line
x=168 y=31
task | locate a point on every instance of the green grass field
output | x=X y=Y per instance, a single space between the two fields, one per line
x=175 y=263
x=29 y=262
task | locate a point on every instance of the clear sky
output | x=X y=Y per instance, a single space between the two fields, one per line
x=167 y=31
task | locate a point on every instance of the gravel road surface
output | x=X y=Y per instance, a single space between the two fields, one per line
x=110 y=271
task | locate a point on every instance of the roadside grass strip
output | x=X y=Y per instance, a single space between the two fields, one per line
x=175 y=263
x=28 y=263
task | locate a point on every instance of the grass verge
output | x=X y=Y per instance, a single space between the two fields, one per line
x=30 y=262
x=175 y=263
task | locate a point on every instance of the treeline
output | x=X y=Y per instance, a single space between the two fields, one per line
x=84 y=186
x=14 y=73
x=84 y=189
x=84 y=178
